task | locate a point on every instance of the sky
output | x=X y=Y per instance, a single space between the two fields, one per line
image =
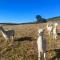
x=20 y=11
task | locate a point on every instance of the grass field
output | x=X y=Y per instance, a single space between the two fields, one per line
x=24 y=46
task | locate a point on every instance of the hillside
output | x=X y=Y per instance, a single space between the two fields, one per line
x=24 y=46
x=17 y=23
x=56 y=19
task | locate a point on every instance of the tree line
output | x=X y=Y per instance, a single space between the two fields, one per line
x=39 y=19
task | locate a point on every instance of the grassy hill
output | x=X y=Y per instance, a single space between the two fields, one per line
x=54 y=19
x=24 y=46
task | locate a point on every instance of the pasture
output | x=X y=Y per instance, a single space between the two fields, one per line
x=24 y=45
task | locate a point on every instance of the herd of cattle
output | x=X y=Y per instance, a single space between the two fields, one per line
x=50 y=27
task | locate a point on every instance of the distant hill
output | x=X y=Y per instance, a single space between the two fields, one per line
x=54 y=19
x=21 y=23
x=8 y=23
x=57 y=19
x=17 y=23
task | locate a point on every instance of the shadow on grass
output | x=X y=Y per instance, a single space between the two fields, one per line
x=58 y=33
x=57 y=56
x=24 y=39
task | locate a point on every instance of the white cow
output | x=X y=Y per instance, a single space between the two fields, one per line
x=55 y=31
x=40 y=44
x=49 y=28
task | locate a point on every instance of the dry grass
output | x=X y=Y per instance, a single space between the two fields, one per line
x=24 y=46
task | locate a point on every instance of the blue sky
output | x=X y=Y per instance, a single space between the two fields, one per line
x=19 y=11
